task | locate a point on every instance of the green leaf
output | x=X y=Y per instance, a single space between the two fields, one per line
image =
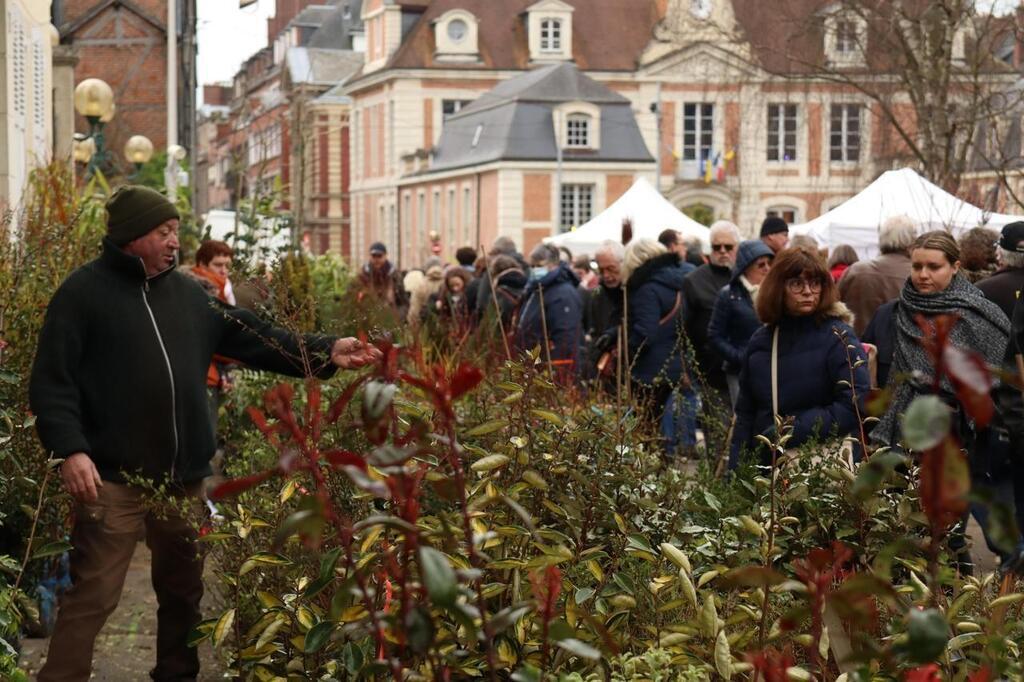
x=549 y=416
x=223 y=627
x=508 y=617
x=927 y=635
x=526 y=673
x=487 y=427
x=926 y=422
x=723 y=656
x=578 y=648
x=201 y=631
x=438 y=576
x=317 y=636
x=583 y=594
x=489 y=463
x=51 y=549
x=419 y=629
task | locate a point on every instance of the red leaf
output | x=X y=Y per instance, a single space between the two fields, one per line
x=547 y=585
x=972 y=381
x=926 y=673
x=983 y=674
x=340 y=458
x=770 y=665
x=260 y=420
x=945 y=482
x=339 y=405
x=466 y=377
x=237 y=486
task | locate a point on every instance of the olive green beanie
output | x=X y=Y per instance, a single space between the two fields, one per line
x=134 y=210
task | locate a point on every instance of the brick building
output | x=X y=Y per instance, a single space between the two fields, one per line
x=124 y=42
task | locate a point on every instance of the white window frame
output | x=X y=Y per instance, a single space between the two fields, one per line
x=577 y=131
x=550 y=35
x=703 y=114
x=845 y=119
x=781 y=148
x=791 y=214
x=580 y=206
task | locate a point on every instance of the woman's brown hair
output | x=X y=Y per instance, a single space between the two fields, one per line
x=938 y=240
x=788 y=264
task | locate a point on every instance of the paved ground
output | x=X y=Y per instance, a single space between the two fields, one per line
x=126 y=647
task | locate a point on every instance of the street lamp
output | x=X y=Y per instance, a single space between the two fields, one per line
x=95 y=101
x=138 y=150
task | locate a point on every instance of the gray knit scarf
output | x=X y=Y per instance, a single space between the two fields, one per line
x=982 y=328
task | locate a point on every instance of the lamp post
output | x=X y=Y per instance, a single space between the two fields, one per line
x=138 y=150
x=95 y=101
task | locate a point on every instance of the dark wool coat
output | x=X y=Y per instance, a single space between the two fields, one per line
x=733 y=319
x=1003 y=288
x=120 y=371
x=655 y=346
x=881 y=332
x=813 y=363
x=563 y=315
x=700 y=292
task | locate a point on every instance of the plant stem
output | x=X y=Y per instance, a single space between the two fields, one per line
x=32 y=531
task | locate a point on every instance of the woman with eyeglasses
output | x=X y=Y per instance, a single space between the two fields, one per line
x=813 y=380
x=733 y=320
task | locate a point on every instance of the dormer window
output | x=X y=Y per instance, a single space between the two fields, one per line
x=549 y=27
x=578 y=125
x=577 y=131
x=455 y=33
x=551 y=35
x=845 y=39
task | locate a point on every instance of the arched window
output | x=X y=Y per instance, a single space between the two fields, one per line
x=551 y=35
x=577 y=130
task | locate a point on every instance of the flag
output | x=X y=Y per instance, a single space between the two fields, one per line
x=708 y=169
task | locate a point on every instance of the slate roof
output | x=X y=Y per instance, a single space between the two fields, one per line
x=316 y=66
x=513 y=122
x=338 y=26
x=608 y=35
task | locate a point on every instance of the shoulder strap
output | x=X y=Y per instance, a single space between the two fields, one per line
x=675 y=309
x=775 y=372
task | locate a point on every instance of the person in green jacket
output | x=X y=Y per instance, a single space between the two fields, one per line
x=118 y=388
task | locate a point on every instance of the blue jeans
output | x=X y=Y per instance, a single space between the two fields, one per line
x=679 y=421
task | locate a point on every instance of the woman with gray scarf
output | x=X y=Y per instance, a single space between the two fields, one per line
x=937 y=287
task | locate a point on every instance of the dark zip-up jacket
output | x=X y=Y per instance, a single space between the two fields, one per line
x=120 y=371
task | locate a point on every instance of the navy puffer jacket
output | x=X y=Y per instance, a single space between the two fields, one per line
x=563 y=314
x=652 y=292
x=733 y=321
x=812 y=364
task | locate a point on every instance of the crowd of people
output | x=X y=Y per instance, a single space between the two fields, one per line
x=134 y=357
x=755 y=328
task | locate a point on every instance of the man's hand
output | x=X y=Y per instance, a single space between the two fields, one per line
x=81 y=478
x=351 y=353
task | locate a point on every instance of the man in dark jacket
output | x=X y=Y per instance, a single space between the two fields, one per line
x=118 y=389
x=700 y=291
x=551 y=314
x=381 y=282
x=1004 y=287
x=602 y=310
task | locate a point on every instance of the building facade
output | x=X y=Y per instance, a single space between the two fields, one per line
x=26 y=95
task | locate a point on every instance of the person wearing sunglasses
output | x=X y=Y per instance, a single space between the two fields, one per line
x=733 y=320
x=700 y=291
x=802 y=363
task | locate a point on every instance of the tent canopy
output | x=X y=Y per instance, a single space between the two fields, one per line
x=897 y=192
x=650 y=212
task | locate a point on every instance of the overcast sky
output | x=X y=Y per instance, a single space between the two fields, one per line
x=228 y=36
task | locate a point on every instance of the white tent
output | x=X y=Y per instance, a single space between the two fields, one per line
x=650 y=212
x=856 y=221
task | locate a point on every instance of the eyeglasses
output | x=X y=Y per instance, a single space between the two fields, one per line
x=723 y=247
x=797 y=284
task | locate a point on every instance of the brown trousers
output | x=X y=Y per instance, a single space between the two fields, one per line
x=104 y=538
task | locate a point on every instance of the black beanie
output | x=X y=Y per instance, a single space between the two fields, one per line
x=773 y=225
x=134 y=210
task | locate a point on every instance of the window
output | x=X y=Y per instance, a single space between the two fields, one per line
x=452 y=106
x=551 y=35
x=577 y=202
x=421 y=222
x=787 y=213
x=844 y=138
x=406 y=216
x=577 y=130
x=782 y=132
x=435 y=213
x=451 y=216
x=698 y=122
x=467 y=214
x=846 y=37
x=457 y=30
